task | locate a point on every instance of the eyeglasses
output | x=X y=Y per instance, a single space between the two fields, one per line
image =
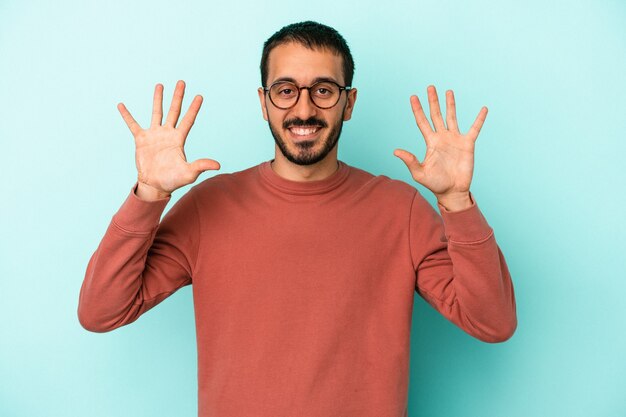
x=324 y=94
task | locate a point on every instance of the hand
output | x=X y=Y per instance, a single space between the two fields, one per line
x=162 y=166
x=449 y=162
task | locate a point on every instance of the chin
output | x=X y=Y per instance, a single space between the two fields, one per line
x=306 y=150
x=305 y=159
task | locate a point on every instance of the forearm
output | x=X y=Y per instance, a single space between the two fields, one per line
x=479 y=295
x=113 y=292
x=463 y=274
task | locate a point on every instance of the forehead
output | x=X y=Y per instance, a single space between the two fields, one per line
x=296 y=61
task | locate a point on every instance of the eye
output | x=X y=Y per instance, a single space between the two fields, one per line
x=324 y=90
x=284 y=90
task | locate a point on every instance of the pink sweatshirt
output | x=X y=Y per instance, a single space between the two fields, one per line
x=303 y=291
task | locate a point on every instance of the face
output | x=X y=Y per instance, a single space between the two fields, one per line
x=306 y=134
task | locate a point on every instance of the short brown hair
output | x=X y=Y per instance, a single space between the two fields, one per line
x=313 y=35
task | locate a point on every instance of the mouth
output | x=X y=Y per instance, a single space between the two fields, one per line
x=304 y=132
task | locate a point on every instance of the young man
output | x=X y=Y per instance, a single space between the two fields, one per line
x=303 y=268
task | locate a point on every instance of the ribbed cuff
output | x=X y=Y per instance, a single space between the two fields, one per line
x=467 y=225
x=137 y=215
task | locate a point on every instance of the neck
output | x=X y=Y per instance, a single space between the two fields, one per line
x=315 y=172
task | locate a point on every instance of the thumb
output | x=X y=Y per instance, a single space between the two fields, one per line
x=411 y=162
x=201 y=165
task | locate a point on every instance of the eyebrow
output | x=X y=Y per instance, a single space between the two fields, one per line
x=315 y=80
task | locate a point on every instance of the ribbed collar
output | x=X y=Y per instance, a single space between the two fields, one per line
x=303 y=187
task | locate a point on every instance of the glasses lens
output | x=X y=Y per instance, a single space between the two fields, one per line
x=325 y=94
x=284 y=94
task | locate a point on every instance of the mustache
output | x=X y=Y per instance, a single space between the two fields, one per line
x=311 y=121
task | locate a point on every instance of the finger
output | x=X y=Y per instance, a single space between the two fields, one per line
x=128 y=118
x=420 y=117
x=478 y=124
x=411 y=162
x=201 y=165
x=177 y=100
x=435 y=111
x=157 y=106
x=190 y=117
x=451 y=112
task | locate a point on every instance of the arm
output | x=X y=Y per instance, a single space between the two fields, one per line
x=461 y=271
x=139 y=262
x=460 y=268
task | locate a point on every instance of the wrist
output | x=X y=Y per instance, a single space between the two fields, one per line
x=149 y=193
x=455 y=201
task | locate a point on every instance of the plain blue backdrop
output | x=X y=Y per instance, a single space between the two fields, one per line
x=549 y=178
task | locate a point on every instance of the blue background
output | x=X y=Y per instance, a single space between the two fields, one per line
x=549 y=178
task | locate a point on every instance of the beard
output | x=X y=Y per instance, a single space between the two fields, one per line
x=305 y=153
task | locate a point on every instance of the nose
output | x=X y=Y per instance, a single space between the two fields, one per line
x=304 y=108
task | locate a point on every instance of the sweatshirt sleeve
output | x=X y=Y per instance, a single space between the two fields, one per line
x=461 y=271
x=139 y=261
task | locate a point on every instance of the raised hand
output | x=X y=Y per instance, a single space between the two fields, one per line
x=162 y=166
x=449 y=161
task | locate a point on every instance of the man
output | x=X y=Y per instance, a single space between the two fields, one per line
x=304 y=269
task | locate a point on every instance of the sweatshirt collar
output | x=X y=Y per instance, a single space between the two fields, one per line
x=304 y=187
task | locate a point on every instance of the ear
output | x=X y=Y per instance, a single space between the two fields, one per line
x=347 y=114
x=262 y=99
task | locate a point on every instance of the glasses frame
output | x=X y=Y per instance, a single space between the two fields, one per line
x=341 y=89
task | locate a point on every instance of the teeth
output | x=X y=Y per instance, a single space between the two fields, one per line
x=304 y=131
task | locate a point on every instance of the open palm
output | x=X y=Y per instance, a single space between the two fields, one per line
x=449 y=161
x=159 y=150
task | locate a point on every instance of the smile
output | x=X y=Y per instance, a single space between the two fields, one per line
x=304 y=132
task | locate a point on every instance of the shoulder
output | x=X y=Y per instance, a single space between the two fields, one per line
x=224 y=187
x=227 y=181
x=382 y=186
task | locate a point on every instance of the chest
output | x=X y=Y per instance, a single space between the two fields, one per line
x=327 y=246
